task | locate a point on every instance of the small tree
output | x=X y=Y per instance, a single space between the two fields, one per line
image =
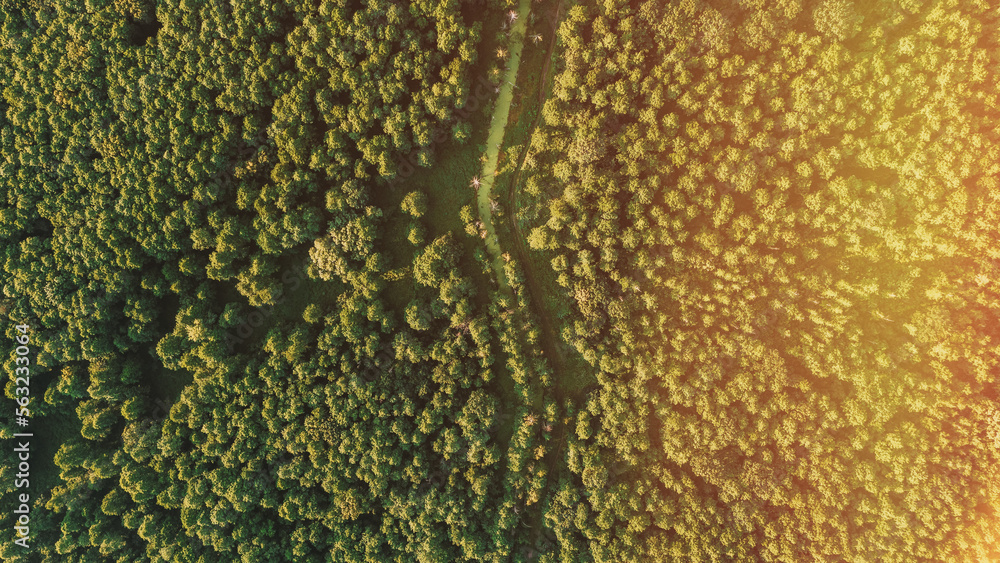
x=415 y=204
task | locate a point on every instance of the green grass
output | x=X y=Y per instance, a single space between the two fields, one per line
x=447 y=186
x=164 y=384
x=575 y=375
x=297 y=296
x=446 y=181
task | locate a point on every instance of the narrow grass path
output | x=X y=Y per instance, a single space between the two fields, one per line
x=499 y=122
x=550 y=343
x=551 y=340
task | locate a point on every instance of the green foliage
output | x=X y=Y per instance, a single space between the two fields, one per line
x=162 y=165
x=415 y=204
x=776 y=223
x=434 y=264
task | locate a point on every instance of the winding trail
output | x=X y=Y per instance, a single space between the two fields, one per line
x=551 y=340
x=501 y=112
x=499 y=122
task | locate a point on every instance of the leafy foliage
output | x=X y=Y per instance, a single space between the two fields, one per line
x=164 y=169
x=777 y=222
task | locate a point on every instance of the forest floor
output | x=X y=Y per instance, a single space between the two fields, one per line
x=510 y=120
x=514 y=122
x=575 y=376
x=501 y=111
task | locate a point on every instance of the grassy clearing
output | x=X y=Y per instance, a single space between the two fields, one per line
x=164 y=384
x=446 y=180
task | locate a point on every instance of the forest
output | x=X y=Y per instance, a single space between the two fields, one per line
x=233 y=356
x=251 y=314
x=778 y=224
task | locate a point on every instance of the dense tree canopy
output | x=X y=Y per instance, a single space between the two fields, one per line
x=256 y=331
x=167 y=170
x=777 y=222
